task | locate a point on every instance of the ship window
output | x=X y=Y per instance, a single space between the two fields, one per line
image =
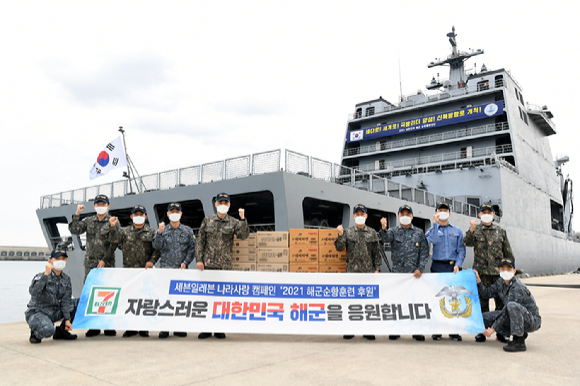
x=11 y=253
x=26 y=254
x=483 y=85
x=522 y=99
x=324 y=214
x=381 y=164
x=33 y=254
x=124 y=216
x=526 y=118
x=463 y=152
x=557 y=216
x=58 y=233
x=521 y=114
x=474 y=201
x=369 y=111
x=192 y=213
x=4 y=253
x=40 y=253
x=19 y=254
x=499 y=81
x=259 y=209
x=358 y=113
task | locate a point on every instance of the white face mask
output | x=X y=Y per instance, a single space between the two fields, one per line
x=138 y=220
x=58 y=264
x=175 y=217
x=405 y=220
x=223 y=209
x=506 y=275
x=487 y=218
x=360 y=220
x=443 y=216
x=101 y=209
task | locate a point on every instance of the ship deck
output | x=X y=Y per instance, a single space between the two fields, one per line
x=305 y=360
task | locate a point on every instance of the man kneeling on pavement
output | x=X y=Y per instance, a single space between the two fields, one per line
x=51 y=300
x=520 y=314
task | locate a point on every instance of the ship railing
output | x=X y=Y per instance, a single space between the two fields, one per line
x=237 y=167
x=438 y=158
x=421 y=98
x=302 y=164
x=429 y=139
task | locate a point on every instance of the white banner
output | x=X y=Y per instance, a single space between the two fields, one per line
x=279 y=303
x=112 y=157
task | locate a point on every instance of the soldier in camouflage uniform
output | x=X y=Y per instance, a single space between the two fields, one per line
x=520 y=314
x=409 y=248
x=51 y=300
x=216 y=240
x=99 y=250
x=362 y=248
x=177 y=245
x=136 y=243
x=490 y=245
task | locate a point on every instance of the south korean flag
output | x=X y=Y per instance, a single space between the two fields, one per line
x=112 y=157
x=356 y=135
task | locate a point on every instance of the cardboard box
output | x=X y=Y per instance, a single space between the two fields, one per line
x=330 y=255
x=272 y=240
x=329 y=268
x=273 y=255
x=238 y=251
x=272 y=267
x=303 y=254
x=304 y=267
x=303 y=237
x=326 y=237
x=243 y=266
x=250 y=242
x=243 y=259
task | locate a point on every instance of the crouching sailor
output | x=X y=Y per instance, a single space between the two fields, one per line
x=520 y=314
x=51 y=300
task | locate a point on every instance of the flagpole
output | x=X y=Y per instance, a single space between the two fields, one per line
x=130 y=165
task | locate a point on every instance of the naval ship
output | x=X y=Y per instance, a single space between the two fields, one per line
x=466 y=140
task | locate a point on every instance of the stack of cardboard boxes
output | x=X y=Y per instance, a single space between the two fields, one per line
x=300 y=250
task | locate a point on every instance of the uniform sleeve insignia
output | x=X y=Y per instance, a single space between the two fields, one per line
x=37 y=277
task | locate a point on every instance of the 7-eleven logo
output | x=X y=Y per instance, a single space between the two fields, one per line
x=103 y=301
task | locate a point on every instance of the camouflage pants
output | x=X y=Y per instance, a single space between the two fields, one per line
x=514 y=319
x=487 y=281
x=43 y=324
x=229 y=268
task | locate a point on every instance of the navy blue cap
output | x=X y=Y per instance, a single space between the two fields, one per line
x=359 y=207
x=139 y=208
x=102 y=198
x=405 y=207
x=509 y=262
x=57 y=253
x=443 y=205
x=222 y=196
x=485 y=206
x=174 y=205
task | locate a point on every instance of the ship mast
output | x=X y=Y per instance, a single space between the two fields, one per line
x=455 y=61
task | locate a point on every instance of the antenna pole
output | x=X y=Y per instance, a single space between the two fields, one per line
x=400 y=81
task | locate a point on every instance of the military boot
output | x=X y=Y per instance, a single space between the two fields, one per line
x=33 y=339
x=61 y=333
x=517 y=344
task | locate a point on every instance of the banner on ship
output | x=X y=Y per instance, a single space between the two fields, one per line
x=279 y=303
x=428 y=122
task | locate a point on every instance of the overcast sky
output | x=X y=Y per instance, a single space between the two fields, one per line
x=195 y=82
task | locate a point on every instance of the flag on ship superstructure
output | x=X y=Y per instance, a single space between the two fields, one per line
x=112 y=157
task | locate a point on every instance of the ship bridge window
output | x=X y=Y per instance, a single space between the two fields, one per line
x=499 y=81
x=192 y=213
x=259 y=209
x=483 y=85
x=324 y=214
x=58 y=233
x=358 y=113
x=369 y=111
x=124 y=216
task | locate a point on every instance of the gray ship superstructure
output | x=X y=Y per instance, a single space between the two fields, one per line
x=469 y=140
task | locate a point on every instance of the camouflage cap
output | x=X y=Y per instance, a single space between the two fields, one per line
x=222 y=197
x=57 y=253
x=139 y=208
x=174 y=205
x=101 y=198
x=359 y=207
x=405 y=207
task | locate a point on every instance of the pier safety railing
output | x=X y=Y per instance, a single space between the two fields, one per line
x=255 y=164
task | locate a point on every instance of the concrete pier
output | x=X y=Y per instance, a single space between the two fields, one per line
x=243 y=359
